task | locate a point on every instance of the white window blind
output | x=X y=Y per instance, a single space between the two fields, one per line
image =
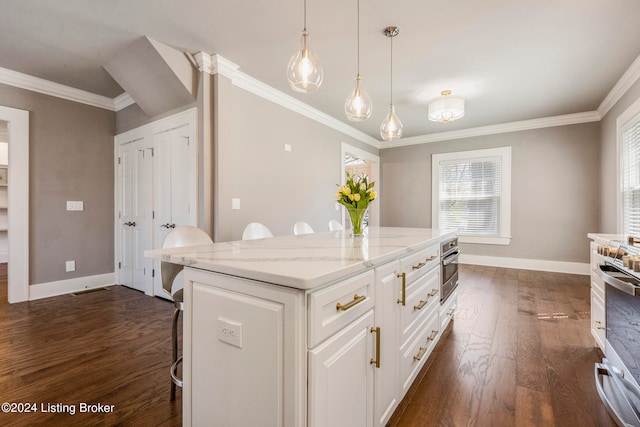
x=471 y=193
x=470 y=196
x=630 y=178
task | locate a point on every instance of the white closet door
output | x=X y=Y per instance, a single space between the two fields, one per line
x=135 y=215
x=174 y=180
x=175 y=186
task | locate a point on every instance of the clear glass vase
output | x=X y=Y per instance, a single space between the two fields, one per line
x=357 y=219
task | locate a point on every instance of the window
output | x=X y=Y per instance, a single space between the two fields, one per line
x=630 y=176
x=471 y=193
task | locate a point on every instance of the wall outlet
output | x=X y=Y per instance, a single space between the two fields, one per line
x=70 y=266
x=230 y=332
x=235 y=204
x=287 y=147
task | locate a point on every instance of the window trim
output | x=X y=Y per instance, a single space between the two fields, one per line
x=622 y=122
x=505 y=195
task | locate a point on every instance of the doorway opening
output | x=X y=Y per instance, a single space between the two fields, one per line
x=17 y=206
x=357 y=161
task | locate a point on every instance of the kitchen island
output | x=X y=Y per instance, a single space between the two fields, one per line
x=317 y=329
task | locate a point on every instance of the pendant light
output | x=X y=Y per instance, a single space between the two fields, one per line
x=304 y=70
x=391 y=127
x=358 y=105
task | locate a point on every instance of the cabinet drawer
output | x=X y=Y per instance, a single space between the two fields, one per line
x=333 y=308
x=596 y=258
x=416 y=265
x=415 y=352
x=597 y=285
x=598 y=320
x=448 y=309
x=423 y=298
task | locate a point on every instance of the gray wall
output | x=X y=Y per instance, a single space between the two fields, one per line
x=608 y=179
x=555 y=189
x=275 y=187
x=71 y=158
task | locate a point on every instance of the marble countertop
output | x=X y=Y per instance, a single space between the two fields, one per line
x=304 y=261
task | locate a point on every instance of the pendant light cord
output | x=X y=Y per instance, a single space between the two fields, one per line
x=358 y=37
x=391 y=73
x=305 y=15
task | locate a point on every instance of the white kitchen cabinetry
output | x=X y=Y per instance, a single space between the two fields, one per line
x=341 y=377
x=387 y=314
x=598 y=316
x=244 y=359
x=420 y=317
x=294 y=332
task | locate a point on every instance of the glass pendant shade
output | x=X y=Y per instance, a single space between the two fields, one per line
x=304 y=70
x=358 y=105
x=391 y=127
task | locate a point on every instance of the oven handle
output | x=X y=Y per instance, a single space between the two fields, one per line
x=626 y=287
x=605 y=369
x=451 y=257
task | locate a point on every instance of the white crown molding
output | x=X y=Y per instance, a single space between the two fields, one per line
x=122 y=101
x=217 y=64
x=36 y=84
x=527 y=264
x=620 y=88
x=567 y=119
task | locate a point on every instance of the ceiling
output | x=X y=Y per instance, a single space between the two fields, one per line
x=510 y=60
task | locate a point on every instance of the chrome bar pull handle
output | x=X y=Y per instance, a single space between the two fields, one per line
x=403 y=300
x=357 y=299
x=376 y=361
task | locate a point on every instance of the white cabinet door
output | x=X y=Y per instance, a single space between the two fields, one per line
x=387 y=313
x=134 y=218
x=341 y=377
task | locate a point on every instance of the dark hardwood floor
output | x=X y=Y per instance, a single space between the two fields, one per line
x=519 y=353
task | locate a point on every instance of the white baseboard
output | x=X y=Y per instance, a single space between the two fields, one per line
x=527 y=264
x=62 y=287
x=4 y=257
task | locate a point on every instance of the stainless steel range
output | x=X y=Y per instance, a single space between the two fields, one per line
x=448 y=268
x=618 y=376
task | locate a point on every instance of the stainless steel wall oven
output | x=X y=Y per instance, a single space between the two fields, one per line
x=448 y=268
x=618 y=376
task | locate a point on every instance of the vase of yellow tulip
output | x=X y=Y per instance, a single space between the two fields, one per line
x=355 y=195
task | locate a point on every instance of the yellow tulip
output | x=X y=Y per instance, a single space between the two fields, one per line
x=356 y=197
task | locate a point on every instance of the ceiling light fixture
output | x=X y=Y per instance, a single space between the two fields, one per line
x=446 y=109
x=358 y=105
x=304 y=70
x=391 y=127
